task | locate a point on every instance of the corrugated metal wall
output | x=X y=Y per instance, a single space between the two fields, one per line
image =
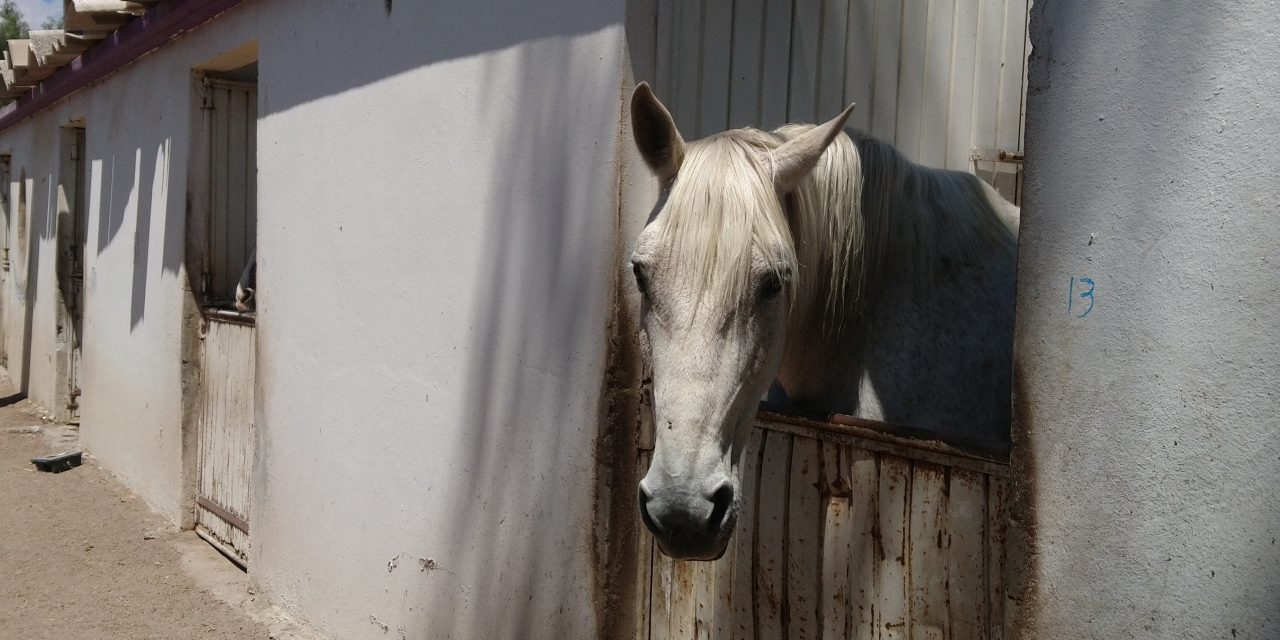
x=938 y=78
x=233 y=180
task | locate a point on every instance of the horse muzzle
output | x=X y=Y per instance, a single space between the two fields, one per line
x=689 y=525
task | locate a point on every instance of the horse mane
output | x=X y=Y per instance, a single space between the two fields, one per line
x=864 y=217
x=868 y=217
x=721 y=207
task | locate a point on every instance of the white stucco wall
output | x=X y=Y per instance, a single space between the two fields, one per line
x=1153 y=147
x=437 y=249
x=436 y=245
x=136 y=139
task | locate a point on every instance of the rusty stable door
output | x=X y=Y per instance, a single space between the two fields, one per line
x=225 y=425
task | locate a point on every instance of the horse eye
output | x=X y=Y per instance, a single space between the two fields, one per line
x=770 y=287
x=642 y=279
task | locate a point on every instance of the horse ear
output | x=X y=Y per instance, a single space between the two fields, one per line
x=797 y=157
x=655 y=133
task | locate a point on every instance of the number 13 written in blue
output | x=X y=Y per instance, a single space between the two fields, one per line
x=1085 y=295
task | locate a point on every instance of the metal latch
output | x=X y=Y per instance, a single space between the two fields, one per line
x=987 y=154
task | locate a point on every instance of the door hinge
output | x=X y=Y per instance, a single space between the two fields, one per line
x=206 y=96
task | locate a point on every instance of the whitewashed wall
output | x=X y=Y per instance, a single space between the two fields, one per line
x=1149 y=404
x=437 y=244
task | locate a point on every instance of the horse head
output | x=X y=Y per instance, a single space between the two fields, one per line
x=717 y=272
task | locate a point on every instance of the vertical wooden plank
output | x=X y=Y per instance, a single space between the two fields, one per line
x=835 y=567
x=831 y=59
x=928 y=559
x=687 y=66
x=888 y=68
x=998 y=616
x=804 y=539
x=776 y=69
x=663 y=578
x=964 y=50
x=860 y=61
x=806 y=30
x=865 y=550
x=838 y=539
x=748 y=46
x=912 y=73
x=966 y=561
x=709 y=580
x=894 y=519
x=717 y=51
x=743 y=623
x=937 y=83
x=645 y=560
x=771 y=537
x=684 y=599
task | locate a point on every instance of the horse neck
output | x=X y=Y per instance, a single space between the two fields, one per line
x=828 y=227
x=893 y=224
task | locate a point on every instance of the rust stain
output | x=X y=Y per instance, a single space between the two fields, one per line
x=1022 y=564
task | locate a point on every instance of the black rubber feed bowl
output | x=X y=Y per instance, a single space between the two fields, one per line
x=58 y=462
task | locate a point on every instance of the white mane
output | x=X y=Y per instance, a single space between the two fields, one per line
x=863 y=215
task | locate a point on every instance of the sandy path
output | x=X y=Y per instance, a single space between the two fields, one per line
x=80 y=557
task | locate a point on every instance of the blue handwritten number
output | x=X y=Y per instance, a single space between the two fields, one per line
x=1084 y=295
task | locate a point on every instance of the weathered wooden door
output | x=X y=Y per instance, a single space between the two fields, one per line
x=844 y=532
x=227 y=433
x=225 y=416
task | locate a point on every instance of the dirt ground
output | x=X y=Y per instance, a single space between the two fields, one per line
x=82 y=558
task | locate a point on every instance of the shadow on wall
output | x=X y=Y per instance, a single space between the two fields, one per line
x=540 y=301
x=420 y=34
x=522 y=479
x=34 y=227
x=135 y=185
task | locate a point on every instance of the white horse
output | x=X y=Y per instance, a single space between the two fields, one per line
x=862 y=283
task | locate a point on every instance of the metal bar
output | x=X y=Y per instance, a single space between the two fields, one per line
x=910 y=451
x=889 y=433
x=222 y=512
x=221 y=547
x=985 y=154
x=160 y=24
x=227 y=315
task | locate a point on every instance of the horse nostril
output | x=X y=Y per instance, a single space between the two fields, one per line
x=644 y=512
x=721 y=500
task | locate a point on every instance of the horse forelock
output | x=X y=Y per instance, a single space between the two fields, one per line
x=722 y=212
